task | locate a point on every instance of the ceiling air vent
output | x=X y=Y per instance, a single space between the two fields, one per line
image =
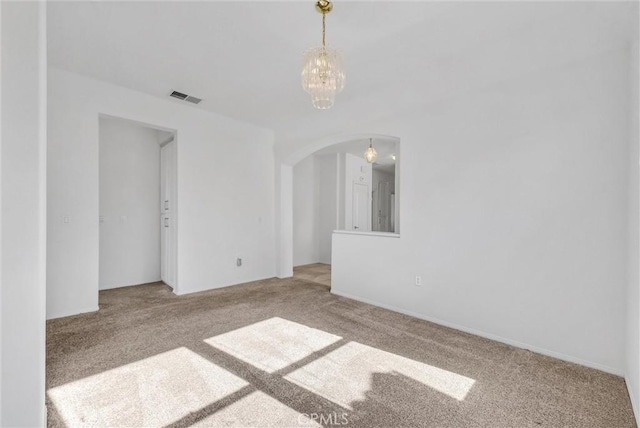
x=191 y=99
x=185 y=97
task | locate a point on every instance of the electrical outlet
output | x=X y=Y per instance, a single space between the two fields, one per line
x=238 y=262
x=418 y=281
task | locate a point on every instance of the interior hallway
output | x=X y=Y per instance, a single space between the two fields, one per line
x=268 y=352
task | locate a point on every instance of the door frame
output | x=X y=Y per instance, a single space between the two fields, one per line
x=169 y=257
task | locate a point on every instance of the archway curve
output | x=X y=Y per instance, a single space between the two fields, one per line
x=284 y=193
x=322 y=143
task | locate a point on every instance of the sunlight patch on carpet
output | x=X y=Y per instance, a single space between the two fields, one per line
x=272 y=344
x=257 y=410
x=155 y=391
x=356 y=373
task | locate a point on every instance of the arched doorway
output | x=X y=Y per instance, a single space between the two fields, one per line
x=285 y=181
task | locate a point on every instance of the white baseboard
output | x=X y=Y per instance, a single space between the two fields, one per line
x=634 y=403
x=497 y=338
x=71 y=313
x=180 y=292
x=130 y=284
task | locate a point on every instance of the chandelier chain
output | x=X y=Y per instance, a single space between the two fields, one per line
x=324 y=15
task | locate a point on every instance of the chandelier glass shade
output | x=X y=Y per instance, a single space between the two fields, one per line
x=323 y=76
x=322 y=71
x=370 y=154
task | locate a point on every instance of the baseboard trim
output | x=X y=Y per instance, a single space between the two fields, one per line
x=114 y=286
x=181 y=292
x=490 y=336
x=72 y=313
x=634 y=403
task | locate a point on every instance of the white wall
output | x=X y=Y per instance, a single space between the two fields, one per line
x=284 y=221
x=1 y=102
x=23 y=143
x=327 y=178
x=129 y=204
x=633 y=298
x=225 y=191
x=514 y=213
x=305 y=188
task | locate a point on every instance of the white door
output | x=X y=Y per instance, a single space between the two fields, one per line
x=168 y=212
x=361 y=208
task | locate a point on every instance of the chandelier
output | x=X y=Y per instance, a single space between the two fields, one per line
x=322 y=71
x=370 y=154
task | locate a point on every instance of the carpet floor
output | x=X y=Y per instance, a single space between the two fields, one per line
x=287 y=353
x=316 y=272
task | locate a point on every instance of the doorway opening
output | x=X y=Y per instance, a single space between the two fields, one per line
x=138 y=201
x=336 y=189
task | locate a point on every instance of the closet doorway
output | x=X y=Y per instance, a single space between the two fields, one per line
x=138 y=204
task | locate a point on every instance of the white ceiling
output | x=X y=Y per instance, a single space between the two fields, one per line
x=244 y=58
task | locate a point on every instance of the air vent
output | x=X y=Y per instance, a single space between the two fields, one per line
x=179 y=95
x=185 y=97
x=191 y=99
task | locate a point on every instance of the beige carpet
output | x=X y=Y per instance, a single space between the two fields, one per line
x=287 y=353
x=316 y=272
